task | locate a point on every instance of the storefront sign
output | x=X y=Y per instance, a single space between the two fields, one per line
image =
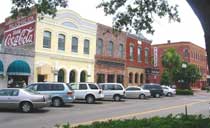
x=20 y=32
x=155 y=56
x=152 y=71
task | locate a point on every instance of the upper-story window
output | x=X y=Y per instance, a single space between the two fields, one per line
x=110 y=48
x=121 y=50
x=186 y=53
x=131 y=53
x=99 y=47
x=146 y=55
x=139 y=54
x=47 y=39
x=86 y=46
x=74 y=45
x=61 y=42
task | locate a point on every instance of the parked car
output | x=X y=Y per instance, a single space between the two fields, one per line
x=114 y=91
x=87 y=91
x=168 y=91
x=136 y=92
x=155 y=89
x=23 y=99
x=60 y=93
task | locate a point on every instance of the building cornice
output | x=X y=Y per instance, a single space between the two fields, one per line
x=64 y=57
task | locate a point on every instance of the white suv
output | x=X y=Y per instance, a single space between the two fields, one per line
x=115 y=91
x=87 y=91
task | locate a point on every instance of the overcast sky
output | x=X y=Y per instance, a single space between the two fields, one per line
x=188 y=30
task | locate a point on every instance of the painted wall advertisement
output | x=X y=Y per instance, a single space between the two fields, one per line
x=20 y=33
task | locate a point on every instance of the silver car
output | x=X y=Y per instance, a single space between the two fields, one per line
x=136 y=92
x=23 y=99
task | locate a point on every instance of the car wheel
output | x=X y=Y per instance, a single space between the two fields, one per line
x=117 y=98
x=169 y=94
x=90 y=99
x=142 y=96
x=56 y=102
x=26 y=107
x=157 y=95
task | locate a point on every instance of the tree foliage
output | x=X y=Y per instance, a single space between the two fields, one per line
x=165 y=80
x=188 y=75
x=138 y=14
x=49 y=7
x=170 y=61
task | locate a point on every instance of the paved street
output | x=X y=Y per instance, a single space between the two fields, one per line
x=79 y=113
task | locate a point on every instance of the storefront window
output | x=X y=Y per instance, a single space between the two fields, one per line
x=100 y=78
x=110 y=78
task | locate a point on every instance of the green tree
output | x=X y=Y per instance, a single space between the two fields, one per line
x=187 y=76
x=23 y=7
x=165 y=80
x=170 y=61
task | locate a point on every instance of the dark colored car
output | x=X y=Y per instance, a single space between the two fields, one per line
x=155 y=89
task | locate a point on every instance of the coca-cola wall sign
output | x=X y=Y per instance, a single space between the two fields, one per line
x=20 y=32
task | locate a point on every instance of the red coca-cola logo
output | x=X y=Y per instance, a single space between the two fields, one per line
x=20 y=35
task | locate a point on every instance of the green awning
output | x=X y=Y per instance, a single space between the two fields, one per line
x=19 y=67
x=1 y=68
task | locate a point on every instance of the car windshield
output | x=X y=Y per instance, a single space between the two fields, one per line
x=31 y=91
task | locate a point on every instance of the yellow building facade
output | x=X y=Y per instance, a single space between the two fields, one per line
x=65 y=48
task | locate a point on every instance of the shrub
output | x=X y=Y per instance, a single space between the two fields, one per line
x=178 y=121
x=184 y=92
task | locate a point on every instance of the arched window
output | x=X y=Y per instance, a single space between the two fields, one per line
x=141 y=78
x=136 y=77
x=47 y=39
x=99 y=49
x=61 y=75
x=130 y=77
x=83 y=76
x=72 y=76
x=61 y=42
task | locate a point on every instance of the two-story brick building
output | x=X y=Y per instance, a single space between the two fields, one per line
x=138 y=60
x=188 y=52
x=110 y=55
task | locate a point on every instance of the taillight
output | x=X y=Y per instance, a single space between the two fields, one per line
x=69 y=93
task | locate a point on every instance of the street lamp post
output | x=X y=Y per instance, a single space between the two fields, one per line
x=184 y=66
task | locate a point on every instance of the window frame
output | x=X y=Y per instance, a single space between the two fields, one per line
x=61 y=42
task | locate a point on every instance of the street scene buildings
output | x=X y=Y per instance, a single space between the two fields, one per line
x=69 y=48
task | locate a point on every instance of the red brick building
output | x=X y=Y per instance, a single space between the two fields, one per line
x=138 y=60
x=110 y=55
x=189 y=52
